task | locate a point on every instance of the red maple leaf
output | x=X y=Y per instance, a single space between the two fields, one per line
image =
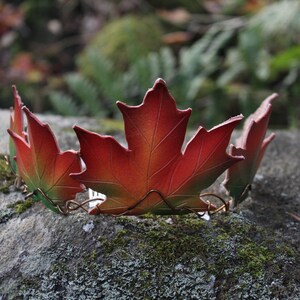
x=153 y=174
x=43 y=167
x=252 y=145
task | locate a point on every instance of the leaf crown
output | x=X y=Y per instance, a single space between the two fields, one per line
x=155 y=173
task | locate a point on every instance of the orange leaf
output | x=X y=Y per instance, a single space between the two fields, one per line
x=43 y=166
x=252 y=145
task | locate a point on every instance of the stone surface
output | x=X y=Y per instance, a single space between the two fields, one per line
x=251 y=253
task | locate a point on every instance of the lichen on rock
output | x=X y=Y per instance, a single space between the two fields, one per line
x=147 y=258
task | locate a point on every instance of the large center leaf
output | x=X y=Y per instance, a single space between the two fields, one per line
x=153 y=174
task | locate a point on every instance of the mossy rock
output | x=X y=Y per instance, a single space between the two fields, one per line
x=124 y=40
x=155 y=258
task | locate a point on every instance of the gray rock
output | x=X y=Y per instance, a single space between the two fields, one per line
x=250 y=253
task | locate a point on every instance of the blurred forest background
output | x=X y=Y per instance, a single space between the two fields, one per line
x=220 y=57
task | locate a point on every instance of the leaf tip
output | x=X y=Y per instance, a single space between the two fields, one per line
x=15 y=91
x=159 y=81
x=121 y=104
x=272 y=97
x=76 y=127
x=79 y=130
x=26 y=110
x=10 y=132
x=268 y=140
x=238 y=117
x=31 y=118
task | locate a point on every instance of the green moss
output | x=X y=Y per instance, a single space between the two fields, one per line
x=118 y=242
x=4 y=188
x=167 y=243
x=4 y=168
x=21 y=206
x=6 y=175
x=287 y=250
x=253 y=259
x=93 y=255
x=224 y=246
x=235 y=248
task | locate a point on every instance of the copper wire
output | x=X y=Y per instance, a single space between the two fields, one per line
x=223 y=207
x=73 y=205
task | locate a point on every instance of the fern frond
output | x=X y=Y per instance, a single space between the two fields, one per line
x=103 y=74
x=168 y=63
x=86 y=92
x=64 y=104
x=278 y=20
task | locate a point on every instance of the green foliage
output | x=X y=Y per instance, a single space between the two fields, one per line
x=144 y=71
x=64 y=104
x=104 y=75
x=265 y=59
x=190 y=79
x=83 y=97
x=285 y=61
x=279 y=23
x=186 y=80
x=85 y=91
x=224 y=72
x=124 y=40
